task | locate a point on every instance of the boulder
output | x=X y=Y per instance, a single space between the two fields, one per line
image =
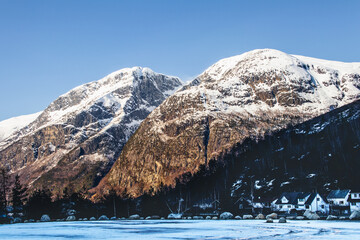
x=215 y=218
x=282 y=220
x=45 y=218
x=155 y=217
x=80 y=219
x=226 y=215
x=198 y=218
x=113 y=218
x=260 y=216
x=290 y=218
x=123 y=218
x=70 y=212
x=331 y=217
x=300 y=218
x=342 y=218
x=238 y=218
x=71 y=218
x=85 y=219
x=248 y=217
x=134 y=217
x=162 y=218
x=208 y=218
x=189 y=218
x=26 y=221
x=269 y=220
x=355 y=215
x=142 y=218
x=174 y=216
x=311 y=215
x=92 y=219
x=148 y=218
x=103 y=217
x=272 y=216
x=31 y=220
x=17 y=220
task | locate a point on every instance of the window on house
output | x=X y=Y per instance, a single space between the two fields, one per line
x=318 y=199
x=341 y=202
x=280 y=206
x=289 y=206
x=322 y=206
x=353 y=203
x=307 y=206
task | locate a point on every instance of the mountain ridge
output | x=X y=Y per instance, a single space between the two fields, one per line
x=76 y=138
x=263 y=91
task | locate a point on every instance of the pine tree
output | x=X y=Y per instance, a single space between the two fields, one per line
x=4 y=188
x=18 y=195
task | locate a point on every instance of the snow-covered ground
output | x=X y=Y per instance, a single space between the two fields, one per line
x=183 y=229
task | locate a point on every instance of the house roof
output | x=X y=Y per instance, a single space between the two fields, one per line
x=310 y=199
x=292 y=197
x=338 y=193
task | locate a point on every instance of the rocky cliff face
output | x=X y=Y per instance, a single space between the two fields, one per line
x=76 y=139
x=246 y=97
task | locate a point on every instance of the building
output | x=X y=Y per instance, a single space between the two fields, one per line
x=338 y=200
x=297 y=201
x=354 y=201
x=316 y=203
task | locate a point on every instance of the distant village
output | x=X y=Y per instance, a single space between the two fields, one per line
x=337 y=202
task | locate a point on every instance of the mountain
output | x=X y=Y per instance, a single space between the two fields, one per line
x=11 y=125
x=76 y=139
x=238 y=99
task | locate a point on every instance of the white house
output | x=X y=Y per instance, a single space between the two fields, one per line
x=316 y=203
x=339 y=197
x=354 y=201
x=338 y=200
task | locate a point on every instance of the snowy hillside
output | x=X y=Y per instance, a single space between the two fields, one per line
x=11 y=125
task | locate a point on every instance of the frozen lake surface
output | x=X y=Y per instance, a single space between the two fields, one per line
x=183 y=229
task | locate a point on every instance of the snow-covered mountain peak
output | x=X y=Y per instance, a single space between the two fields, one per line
x=254 y=61
x=78 y=136
x=111 y=92
x=271 y=79
x=271 y=60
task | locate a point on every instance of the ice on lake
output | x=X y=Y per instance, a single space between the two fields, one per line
x=183 y=229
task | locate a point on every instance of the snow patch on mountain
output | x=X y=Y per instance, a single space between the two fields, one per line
x=11 y=125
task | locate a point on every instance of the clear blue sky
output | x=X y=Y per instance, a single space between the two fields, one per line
x=48 y=47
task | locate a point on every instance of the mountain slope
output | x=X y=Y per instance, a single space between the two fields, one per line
x=11 y=125
x=76 y=139
x=243 y=97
